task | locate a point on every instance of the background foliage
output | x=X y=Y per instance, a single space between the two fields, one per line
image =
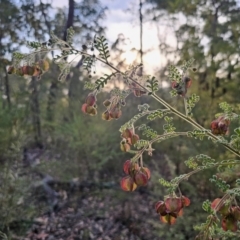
x=48 y=142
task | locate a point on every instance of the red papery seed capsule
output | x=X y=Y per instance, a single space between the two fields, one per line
x=185 y=201
x=174 y=84
x=37 y=71
x=133 y=168
x=173 y=204
x=127 y=166
x=91 y=99
x=127 y=184
x=223 y=208
x=19 y=72
x=169 y=219
x=214 y=126
x=127 y=133
x=146 y=171
x=180 y=213
x=134 y=139
x=91 y=110
x=229 y=223
x=115 y=113
x=107 y=103
x=10 y=70
x=138 y=93
x=84 y=106
x=220 y=126
x=236 y=212
x=140 y=178
x=28 y=70
x=106 y=116
x=44 y=65
x=125 y=147
x=188 y=82
x=160 y=207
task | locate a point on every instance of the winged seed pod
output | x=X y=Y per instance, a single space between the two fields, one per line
x=115 y=113
x=125 y=147
x=106 y=116
x=140 y=178
x=11 y=70
x=106 y=103
x=127 y=184
x=44 y=65
x=91 y=99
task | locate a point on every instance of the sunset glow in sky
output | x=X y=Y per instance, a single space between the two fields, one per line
x=119 y=20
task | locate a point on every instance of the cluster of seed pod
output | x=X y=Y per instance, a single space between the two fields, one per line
x=220 y=126
x=136 y=176
x=230 y=214
x=129 y=138
x=171 y=208
x=113 y=111
x=90 y=107
x=182 y=86
x=36 y=70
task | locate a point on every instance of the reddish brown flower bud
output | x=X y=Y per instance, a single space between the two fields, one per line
x=173 y=204
x=229 y=223
x=106 y=116
x=127 y=184
x=160 y=208
x=107 y=103
x=91 y=99
x=125 y=147
x=140 y=178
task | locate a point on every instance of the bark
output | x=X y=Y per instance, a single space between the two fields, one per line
x=36 y=121
x=54 y=83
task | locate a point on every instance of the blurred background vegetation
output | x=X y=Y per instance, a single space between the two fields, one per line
x=60 y=169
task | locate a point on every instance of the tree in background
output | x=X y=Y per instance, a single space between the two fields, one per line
x=80 y=141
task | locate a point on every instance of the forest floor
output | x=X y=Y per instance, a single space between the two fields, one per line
x=99 y=214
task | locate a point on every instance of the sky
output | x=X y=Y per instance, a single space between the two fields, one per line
x=119 y=20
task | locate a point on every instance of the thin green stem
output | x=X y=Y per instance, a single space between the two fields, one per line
x=186 y=176
x=185 y=106
x=173 y=134
x=176 y=112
